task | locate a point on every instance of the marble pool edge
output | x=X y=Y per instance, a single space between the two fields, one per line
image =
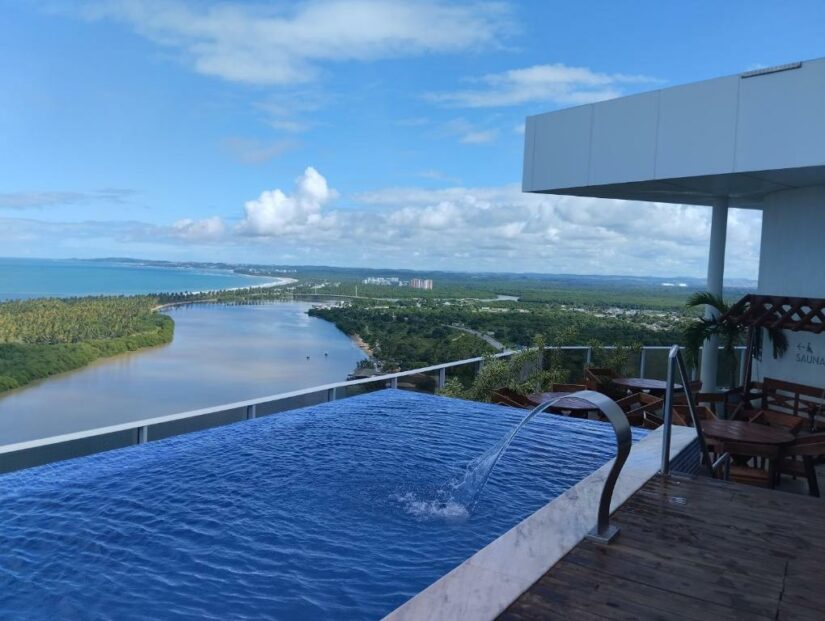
x=484 y=585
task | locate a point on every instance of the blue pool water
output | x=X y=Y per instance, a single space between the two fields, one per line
x=335 y=511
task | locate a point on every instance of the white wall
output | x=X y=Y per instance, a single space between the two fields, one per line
x=792 y=262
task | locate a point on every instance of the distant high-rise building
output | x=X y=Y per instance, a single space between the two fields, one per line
x=421 y=283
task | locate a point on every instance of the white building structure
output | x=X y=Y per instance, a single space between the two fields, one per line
x=754 y=140
x=421 y=283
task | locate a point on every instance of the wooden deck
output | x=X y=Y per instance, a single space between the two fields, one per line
x=693 y=549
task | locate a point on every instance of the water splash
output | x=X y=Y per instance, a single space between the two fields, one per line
x=459 y=497
x=442 y=507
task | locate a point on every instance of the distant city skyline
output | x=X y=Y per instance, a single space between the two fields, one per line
x=351 y=133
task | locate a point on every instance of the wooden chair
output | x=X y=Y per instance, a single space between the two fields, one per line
x=601 y=380
x=784 y=401
x=775 y=419
x=713 y=401
x=809 y=448
x=695 y=387
x=741 y=469
x=507 y=396
x=642 y=410
x=567 y=387
x=681 y=414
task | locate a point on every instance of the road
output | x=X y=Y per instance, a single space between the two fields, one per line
x=497 y=345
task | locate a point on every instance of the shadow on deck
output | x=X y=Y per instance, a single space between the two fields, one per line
x=693 y=549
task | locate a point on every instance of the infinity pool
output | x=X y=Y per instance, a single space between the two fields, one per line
x=336 y=511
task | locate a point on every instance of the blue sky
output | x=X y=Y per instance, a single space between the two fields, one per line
x=350 y=132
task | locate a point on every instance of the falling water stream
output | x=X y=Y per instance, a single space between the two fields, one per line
x=458 y=498
x=468 y=490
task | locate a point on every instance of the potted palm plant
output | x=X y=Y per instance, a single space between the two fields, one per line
x=731 y=331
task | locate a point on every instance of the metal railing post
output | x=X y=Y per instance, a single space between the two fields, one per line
x=331 y=394
x=588 y=358
x=394 y=382
x=675 y=363
x=251 y=411
x=642 y=362
x=442 y=377
x=143 y=434
x=667 y=414
x=697 y=424
x=741 y=368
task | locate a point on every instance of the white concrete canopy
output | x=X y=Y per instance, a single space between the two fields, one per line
x=754 y=140
x=742 y=137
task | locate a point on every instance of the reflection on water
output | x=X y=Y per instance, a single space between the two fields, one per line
x=220 y=354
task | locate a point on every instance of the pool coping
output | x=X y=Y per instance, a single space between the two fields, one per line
x=484 y=585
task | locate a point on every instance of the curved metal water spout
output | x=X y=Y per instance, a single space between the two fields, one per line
x=605 y=532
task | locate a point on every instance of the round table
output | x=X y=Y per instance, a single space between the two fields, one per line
x=567 y=403
x=652 y=386
x=747 y=433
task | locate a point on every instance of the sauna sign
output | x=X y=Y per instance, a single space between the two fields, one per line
x=806 y=354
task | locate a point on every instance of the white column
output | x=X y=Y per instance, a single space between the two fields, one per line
x=716 y=272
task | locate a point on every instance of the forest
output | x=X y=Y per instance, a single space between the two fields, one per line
x=409 y=335
x=41 y=337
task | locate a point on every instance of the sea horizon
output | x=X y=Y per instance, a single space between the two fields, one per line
x=27 y=278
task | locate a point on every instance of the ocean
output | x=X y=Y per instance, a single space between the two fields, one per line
x=37 y=278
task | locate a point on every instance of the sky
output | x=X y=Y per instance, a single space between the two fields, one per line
x=352 y=132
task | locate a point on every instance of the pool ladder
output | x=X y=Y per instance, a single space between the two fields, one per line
x=676 y=364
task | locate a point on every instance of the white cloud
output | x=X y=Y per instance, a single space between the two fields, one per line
x=290 y=125
x=493 y=228
x=479 y=137
x=466 y=132
x=552 y=83
x=252 y=151
x=287 y=43
x=502 y=228
x=199 y=230
x=31 y=200
x=439 y=217
x=275 y=213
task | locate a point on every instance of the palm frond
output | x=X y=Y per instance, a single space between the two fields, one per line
x=695 y=334
x=706 y=298
x=779 y=341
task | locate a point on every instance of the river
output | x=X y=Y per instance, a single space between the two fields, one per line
x=220 y=354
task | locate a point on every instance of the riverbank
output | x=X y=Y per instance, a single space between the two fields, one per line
x=45 y=337
x=362 y=345
x=221 y=353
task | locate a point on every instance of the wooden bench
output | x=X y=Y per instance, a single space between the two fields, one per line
x=785 y=404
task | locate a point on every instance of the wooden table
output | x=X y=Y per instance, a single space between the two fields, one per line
x=637 y=384
x=771 y=439
x=747 y=433
x=567 y=403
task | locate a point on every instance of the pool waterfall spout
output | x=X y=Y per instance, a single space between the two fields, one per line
x=469 y=489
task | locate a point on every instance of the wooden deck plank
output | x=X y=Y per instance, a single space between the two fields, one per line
x=727 y=552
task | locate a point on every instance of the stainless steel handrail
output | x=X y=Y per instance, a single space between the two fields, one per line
x=676 y=363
